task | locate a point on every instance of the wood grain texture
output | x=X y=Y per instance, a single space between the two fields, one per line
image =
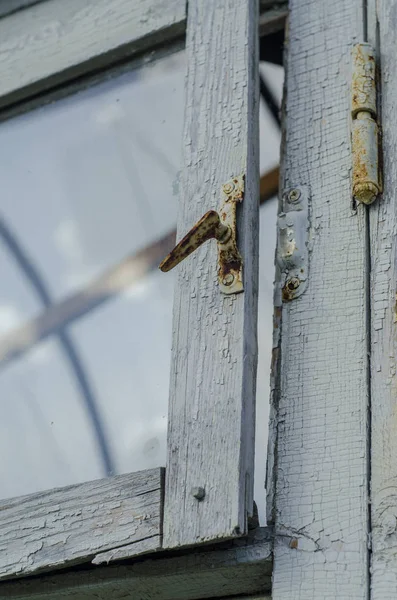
x=242 y=568
x=67 y=526
x=213 y=373
x=383 y=232
x=320 y=401
x=54 y=41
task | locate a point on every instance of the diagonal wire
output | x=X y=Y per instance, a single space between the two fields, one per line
x=269 y=99
x=32 y=274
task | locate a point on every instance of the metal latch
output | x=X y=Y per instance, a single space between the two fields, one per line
x=366 y=178
x=222 y=227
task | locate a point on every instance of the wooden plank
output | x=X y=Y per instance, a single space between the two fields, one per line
x=242 y=568
x=52 y=42
x=272 y=19
x=318 y=487
x=213 y=373
x=383 y=332
x=66 y=526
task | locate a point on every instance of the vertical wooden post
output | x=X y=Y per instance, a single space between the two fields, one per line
x=317 y=487
x=213 y=374
x=382 y=33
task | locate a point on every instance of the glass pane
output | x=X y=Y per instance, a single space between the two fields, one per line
x=46 y=434
x=85 y=328
x=88 y=184
x=132 y=333
x=88 y=180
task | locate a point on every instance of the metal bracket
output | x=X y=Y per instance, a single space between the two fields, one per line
x=292 y=255
x=221 y=226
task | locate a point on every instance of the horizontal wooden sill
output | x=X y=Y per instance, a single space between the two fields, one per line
x=239 y=568
x=72 y=525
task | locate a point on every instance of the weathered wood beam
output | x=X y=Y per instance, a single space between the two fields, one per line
x=97 y=33
x=213 y=372
x=318 y=460
x=33 y=34
x=71 y=525
x=382 y=34
x=242 y=567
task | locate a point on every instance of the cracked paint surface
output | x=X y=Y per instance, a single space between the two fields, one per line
x=319 y=398
x=383 y=228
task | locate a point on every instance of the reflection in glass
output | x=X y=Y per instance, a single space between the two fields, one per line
x=88 y=205
x=125 y=345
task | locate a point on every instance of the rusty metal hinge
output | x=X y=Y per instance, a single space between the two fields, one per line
x=365 y=134
x=221 y=226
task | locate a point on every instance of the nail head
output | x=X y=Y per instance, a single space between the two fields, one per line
x=294 y=195
x=228 y=187
x=198 y=493
x=293 y=283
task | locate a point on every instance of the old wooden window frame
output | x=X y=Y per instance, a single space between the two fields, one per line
x=132 y=30
x=327 y=375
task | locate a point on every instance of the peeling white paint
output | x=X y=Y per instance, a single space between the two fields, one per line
x=318 y=486
x=69 y=525
x=213 y=375
x=383 y=231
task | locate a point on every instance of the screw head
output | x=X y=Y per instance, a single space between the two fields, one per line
x=228 y=187
x=293 y=283
x=228 y=279
x=198 y=493
x=294 y=195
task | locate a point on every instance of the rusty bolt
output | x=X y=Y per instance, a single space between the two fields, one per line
x=198 y=493
x=294 y=195
x=228 y=279
x=293 y=283
x=228 y=187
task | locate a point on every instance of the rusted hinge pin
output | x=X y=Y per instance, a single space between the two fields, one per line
x=366 y=180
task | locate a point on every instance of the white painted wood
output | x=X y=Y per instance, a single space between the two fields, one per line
x=66 y=526
x=383 y=231
x=211 y=416
x=54 y=41
x=319 y=403
x=242 y=568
